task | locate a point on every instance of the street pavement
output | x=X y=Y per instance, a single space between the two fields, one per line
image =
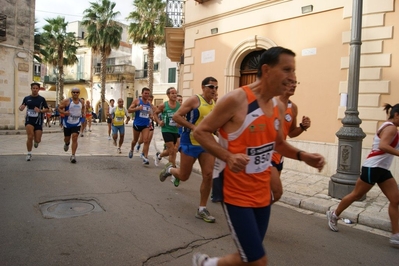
x=115 y=211
x=301 y=190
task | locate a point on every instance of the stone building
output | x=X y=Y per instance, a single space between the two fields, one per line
x=17 y=22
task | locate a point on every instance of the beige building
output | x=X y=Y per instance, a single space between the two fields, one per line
x=17 y=21
x=224 y=38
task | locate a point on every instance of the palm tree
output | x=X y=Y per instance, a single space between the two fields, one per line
x=37 y=48
x=103 y=34
x=59 y=48
x=149 y=20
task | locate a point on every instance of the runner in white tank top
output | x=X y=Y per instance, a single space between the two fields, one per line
x=375 y=169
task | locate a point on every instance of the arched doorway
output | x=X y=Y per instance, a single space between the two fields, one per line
x=249 y=67
x=235 y=59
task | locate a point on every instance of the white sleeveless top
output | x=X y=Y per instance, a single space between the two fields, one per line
x=378 y=158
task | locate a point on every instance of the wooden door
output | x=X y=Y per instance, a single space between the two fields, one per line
x=247 y=77
x=249 y=67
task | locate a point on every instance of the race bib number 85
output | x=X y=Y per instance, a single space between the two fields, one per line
x=259 y=158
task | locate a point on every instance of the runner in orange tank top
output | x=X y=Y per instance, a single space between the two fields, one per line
x=249 y=132
x=290 y=129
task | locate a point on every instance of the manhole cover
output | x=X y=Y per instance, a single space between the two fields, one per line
x=68 y=208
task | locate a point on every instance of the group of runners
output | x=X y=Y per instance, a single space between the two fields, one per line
x=240 y=143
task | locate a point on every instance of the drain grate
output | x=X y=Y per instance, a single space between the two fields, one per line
x=69 y=208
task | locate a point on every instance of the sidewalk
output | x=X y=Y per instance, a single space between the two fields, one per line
x=303 y=191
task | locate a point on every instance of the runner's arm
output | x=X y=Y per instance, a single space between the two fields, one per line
x=284 y=148
x=222 y=114
x=23 y=105
x=186 y=107
x=386 y=135
x=159 y=110
x=133 y=106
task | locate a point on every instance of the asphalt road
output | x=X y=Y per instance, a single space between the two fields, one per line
x=141 y=221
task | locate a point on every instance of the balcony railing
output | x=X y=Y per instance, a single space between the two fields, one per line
x=116 y=69
x=175 y=13
x=52 y=79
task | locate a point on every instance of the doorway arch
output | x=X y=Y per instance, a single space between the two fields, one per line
x=234 y=61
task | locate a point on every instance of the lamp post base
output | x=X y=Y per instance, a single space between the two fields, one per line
x=337 y=190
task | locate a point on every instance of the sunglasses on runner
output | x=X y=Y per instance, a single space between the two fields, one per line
x=211 y=86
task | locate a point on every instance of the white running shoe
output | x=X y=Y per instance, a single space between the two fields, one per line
x=66 y=147
x=332 y=221
x=164 y=173
x=157 y=159
x=394 y=240
x=199 y=259
x=205 y=215
x=73 y=159
x=28 y=157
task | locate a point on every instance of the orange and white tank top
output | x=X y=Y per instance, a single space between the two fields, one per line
x=256 y=138
x=288 y=117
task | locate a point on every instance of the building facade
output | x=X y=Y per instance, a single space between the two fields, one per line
x=224 y=39
x=165 y=71
x=17 y=22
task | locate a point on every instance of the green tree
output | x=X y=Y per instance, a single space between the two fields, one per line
x=58 y=48
x=37 y=48
x=149 y=20
x=103 y=34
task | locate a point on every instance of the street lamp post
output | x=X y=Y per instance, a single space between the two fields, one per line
x=57 y=86
x=350 y=135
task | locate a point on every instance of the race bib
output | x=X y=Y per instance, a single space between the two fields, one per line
x=73 y=119
x=32 y=113
x=145 y=112
x=172 y=122
x=119 y=119
x=259 y=158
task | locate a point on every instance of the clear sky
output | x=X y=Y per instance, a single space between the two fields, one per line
x=72 y=10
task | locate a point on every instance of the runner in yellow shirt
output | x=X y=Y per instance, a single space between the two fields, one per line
x=117 y=115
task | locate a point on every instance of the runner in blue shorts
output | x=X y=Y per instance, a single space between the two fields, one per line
x=118 y=114
x=142 y=109
x=189 y=115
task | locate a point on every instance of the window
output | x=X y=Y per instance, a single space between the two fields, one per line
x=110 y=61
x=3 y=20
x=37 y=70
x=172 y=75
x=156 y=67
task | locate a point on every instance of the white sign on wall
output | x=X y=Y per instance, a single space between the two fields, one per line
x=343 y=99
x=208 y=56
x=309 y=51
